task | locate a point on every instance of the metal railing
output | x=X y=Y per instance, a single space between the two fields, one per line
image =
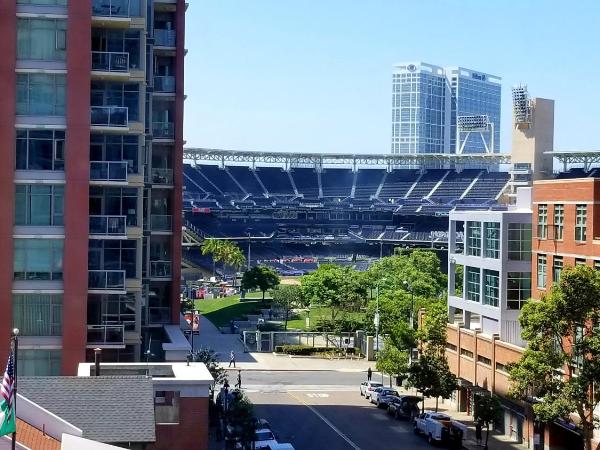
x=110 y=61
x=108 y=225
x=164 y=84
x=164 y=38
x=106 y=280
x=160 y=269
x=110 y=116
x=159 y=314
x=163 y=129
x=108 y=170
x=160 y=222
x=110 y=8
x=105 y=334
x=162 y=176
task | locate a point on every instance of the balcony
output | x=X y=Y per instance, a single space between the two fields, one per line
x=113 y=62
x=110 y=8
x=162 y=176
x=164 y=38
x=113 y=171
x=109 y=226
x=164 y=84
x=163 y=130
x=161 y=223
x=110 y=116
x=105 y=335
x=159 y=315
x=106 y=280
x=160 y=269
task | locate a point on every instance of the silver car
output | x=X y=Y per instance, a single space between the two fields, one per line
x=367 y=387
x=381 y=396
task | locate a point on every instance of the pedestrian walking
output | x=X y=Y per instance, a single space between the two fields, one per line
x=232 y=359
x=239 y=380
x=369 y=374
x=478 y=429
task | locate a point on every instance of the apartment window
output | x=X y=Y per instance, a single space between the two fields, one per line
x=559 y=221
x=519 y=241
x=113 y=255
x=118 y=41
x=557 y=267
x=465 y=352
x=484 y=360
x=450 y=346
x=38 y=204
x=474 y=238
x=541 y=271
x=40 y=94
x=597 y=265
x=518 y=289
x=491 y=286
x=473 y=283
x=39 y=363
x=106 y=147
x=542 y=222
x=41 y=39
x=580 y=222
x=580 y=261
x=500 y=366
x=107 y=309
x=114 y=202
x=38 y=259
x=117 y=94
x=491 y=239
x=38 y=314
x=40 y=150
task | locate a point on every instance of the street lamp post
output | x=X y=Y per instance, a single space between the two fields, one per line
x=376 y=322
x=410 y=319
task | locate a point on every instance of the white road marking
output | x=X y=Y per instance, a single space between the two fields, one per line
x=320 y=395
x=327 y=422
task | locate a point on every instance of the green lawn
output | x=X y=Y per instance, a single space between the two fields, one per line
x=316 y=314
x=221 y=311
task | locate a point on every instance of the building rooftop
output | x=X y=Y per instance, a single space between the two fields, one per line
x=107 y=408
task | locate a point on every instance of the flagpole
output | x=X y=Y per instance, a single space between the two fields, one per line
x=15 y=342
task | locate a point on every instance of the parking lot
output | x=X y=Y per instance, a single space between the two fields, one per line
x=333 y=420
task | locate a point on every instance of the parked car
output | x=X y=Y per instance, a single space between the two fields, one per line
x=260 y=424
x=366 y=387
x=382 y=395
x=404 y=407
x=264 y=439
x=439 y=428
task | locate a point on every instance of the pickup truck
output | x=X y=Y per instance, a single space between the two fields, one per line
x=438 y=427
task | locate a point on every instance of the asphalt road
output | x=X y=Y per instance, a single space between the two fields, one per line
x=324 y=411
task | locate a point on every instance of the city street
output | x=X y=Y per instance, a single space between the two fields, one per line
x=318 y=410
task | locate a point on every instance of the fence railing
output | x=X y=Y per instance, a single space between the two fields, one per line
x=164 y=84
x=160 y=269
x=110 y=116
x=110 y=8
x=105 y=334
x=160 y=222
x=106 y=280
x=108 y=170
x=164 y=38
x=162 y=176
x=163 y=129
x=110 y=62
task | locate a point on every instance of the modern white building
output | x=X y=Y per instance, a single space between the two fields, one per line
x=428 y=100
x=496 y=263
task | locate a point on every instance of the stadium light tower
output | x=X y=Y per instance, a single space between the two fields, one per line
x=521 y=106
x=479 y=123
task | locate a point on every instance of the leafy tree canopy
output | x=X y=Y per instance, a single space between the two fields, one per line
x=224 y=251
x=260 y=277
x=563 y=336
x=288 y=297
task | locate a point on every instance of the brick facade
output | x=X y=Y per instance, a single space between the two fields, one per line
x=192 y=430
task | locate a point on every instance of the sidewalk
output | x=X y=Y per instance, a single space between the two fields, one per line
x=497 y=441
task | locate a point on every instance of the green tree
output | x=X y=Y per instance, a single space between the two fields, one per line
x=260 y=277
x=240 y=416
x=339 y=288
x=226 y=252
x=288 y=297
x=563 y=336
x=487 y=410
x=211 y=361
x=433 y=331
x=431 y=376
x=393 y=361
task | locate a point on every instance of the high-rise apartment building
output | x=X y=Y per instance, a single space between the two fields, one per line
x=427 y=101
x=91 y=119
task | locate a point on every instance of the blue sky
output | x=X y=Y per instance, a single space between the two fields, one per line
x=315 y=75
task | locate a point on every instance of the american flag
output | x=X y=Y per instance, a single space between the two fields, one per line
x=8 y=382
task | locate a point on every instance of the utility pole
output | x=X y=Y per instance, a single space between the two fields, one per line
x=411 y=318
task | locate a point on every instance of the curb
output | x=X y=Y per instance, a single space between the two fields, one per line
x=263 y=369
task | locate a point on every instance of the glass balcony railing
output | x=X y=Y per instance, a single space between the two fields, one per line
x=159 y=314
x=159 y=222
x=108 y=225
x=106 y=280
x=163 y=129
x=110 y=62
x=108 y=170
x=160 y=269
x=164 y=38
x=110 y=8
x=110 y=116
x=105 y=335
x=162 y=176
x=164 y=84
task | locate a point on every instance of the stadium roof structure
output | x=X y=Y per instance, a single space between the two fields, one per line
x=585 y=157
x=348 y=159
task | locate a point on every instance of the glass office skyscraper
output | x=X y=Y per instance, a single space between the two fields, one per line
x=427 y=99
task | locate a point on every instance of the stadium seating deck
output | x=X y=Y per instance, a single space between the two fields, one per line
x=337 y=182
x=307 y=182
x=397 y=184
x=367 y=182
x=246 y=178
x=221 y=179
x=275 y=180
